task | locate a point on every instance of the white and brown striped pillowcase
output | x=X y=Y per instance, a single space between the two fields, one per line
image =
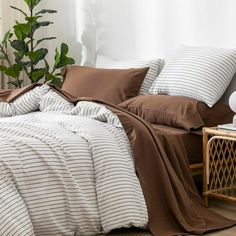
x=154 y=70
x=202 y=73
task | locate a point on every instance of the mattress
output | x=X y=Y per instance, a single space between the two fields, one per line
x=191 y=142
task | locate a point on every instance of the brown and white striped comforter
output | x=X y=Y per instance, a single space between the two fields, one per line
x=65 y=168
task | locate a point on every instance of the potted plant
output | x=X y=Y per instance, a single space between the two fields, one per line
x=27 y=56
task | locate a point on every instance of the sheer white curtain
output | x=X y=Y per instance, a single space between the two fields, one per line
x=131 y=29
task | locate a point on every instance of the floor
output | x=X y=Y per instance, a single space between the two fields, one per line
x=228 y=210
x=224 y=208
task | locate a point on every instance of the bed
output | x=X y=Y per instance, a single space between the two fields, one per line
x=103 y=154
x=57 y=170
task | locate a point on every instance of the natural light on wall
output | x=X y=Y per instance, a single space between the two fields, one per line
x=132 y=29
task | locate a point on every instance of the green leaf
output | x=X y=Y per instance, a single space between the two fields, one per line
x=67 y=61
x=38 y=74
x=13 y=71
x=19 y=10
x=64 y=61
x=23 y=64
x=40 y=24
x=4 y=41
x=19 y=35
x=46 y=65
x=54 y=80
x=36 y=2
x=19 y=54
x=28 y=2
x=32 y=19
x=32 y=3
x=14 y=83
x=44 y=39
x=22 y=31
x=46 y=11
x=64 y=49
x=17 y=84
x=57 y=57
x=7 y=36
x=3 y=68
x=20 y=45
x=60 y=59
x=49 y=77
x=38 y=55
x=44 y=23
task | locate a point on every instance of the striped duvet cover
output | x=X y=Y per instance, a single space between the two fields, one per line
x=65 y=169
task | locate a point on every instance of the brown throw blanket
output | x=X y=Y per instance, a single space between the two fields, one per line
x=174 y=206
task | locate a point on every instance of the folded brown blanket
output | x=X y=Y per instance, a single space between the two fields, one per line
x=174 y=205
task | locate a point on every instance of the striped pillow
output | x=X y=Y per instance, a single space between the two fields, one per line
x=198 y=72
x=154 y=69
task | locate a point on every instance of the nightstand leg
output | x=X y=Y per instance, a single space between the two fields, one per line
x=205 y=184
x=206 y=200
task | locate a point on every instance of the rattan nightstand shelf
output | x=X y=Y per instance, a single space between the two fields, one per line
x=219 y=164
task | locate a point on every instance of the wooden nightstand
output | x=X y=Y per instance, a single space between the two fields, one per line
x=219 y=164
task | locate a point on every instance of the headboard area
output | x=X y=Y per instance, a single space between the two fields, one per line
x=162 y=29
x=231 y=88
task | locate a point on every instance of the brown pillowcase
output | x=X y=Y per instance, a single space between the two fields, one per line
x=177 y=111
x=111 y=85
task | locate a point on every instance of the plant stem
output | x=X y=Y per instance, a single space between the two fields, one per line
x=6 y=55
x=31 y=45
x=18 y=82
x=54 y=68
x=9 y=62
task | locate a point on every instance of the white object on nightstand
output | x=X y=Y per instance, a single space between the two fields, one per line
x=232 y=104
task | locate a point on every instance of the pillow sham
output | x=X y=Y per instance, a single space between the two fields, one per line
x=178 y=111
x=154 y=69
x=198 y=72
x=111 y=85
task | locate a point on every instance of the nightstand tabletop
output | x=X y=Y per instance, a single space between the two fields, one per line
x=219 y=132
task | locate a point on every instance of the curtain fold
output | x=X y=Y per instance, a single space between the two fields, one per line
x=130 y=29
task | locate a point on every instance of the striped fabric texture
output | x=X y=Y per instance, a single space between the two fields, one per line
x=202 y=73
x=154 y=69
x=65 y=170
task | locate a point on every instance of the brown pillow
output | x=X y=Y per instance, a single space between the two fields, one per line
x=111 y=85
x=177 y=111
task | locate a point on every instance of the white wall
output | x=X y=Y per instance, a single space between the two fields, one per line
x=8 y=15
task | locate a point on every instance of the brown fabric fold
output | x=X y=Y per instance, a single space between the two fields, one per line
x=9 y=95
x=174 y=206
